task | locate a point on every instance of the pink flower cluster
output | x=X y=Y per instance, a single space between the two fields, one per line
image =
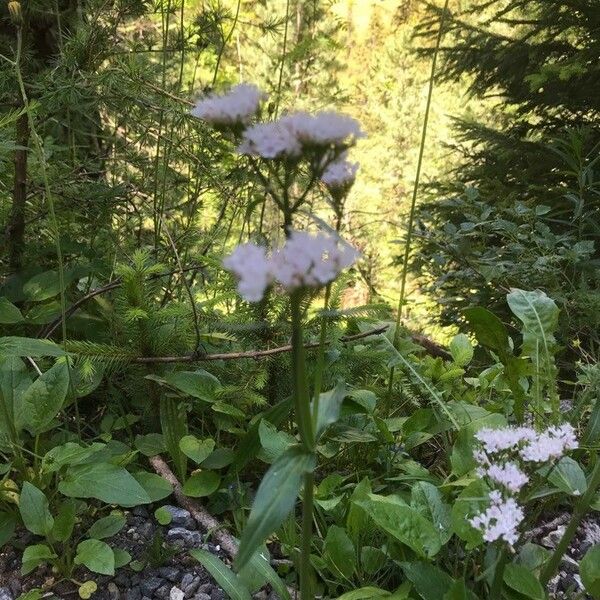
x=306 y=260
x=237 y=107
x=502 y=458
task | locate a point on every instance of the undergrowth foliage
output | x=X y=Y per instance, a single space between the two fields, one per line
x=181 y=282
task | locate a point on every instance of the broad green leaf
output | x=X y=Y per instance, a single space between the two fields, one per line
x=522 y=580
x=202 y=484
x=35 y=555
x=589 y=569
x=224 y=576
x=44 y=398
x=471 y=501
x=122 y=557
x=87 y=590
x=357 y=520
x=42 y=286
x=532 y=556
x=219 y=459
x=275 y=498
x=225 y=408
x=461 y=350
x=33 y=506
x=339 y=553
x=9 y=313
x=458 y=591
x=64 y=521
x=197 y=450
x=107 y=526
x=404 y=523
x=97 y=556
x=488 y=329
x=428 y=501
x=592 y=430
x=430 y=582
x=274 y=442
x=150 y=444
x=21 y=346
x=8 y=524
x=372 y=559
x=365 y=593
x=70 y=454
x=173 y=422
x=330 y=404
x=199 y=384
x=163 y=516
x=260 y=566
x=14 y=380
x=568 y=477
x=106 y=482
x=157 y=487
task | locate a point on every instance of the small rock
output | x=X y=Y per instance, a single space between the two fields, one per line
x=113 y=591
x=191 y=539
x=202 y=596
x=186 y=580
x=163 y=591
x=5 y=594
x=171 y=573
x=262 y=595
x=140 y=511
x=206 y=588
x=190 y=584
x=179 y=516
x=146 y=530
x=552 y=539
x=176 y=594
x=218 y=594
x=133 y=593
x=150 y=585
x=273 y=596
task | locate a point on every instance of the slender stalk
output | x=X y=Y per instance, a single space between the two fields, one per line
x=581 y=509
x=496 y=589
x=306 y=592
x=411 y=218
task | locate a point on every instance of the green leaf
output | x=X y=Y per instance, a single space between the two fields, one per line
x=33 y=506
x=339 y=553
x=471 y=501
x=8 y=524
x=224 y=576
x=404 y=523
x=428 y=501
x=197 y=450
x=107 y=526
x=522 y=580
x=163 y=516
x=69 y=454
x=150 y=444
x=157 y=487
x=372 y=559
x=568 y=477
x=458 y=591
x=365 y=593
x=122 y=557
x=219 y=458
x=202 y=484
x=275 y=498
x=274 y=442
x=199 y=384
x=33 y=556
x=21 y=346
x=488 y=329
x=589 y=569
x=461 y=350
x=64 y=521
x=45 y=397
x=42 y=286
x=173 y=421
x=330 y=404
x=97 y=556
x=104 y=481
x=430 y=582
x=259 y=569
x=87 y=590
x=9 y=313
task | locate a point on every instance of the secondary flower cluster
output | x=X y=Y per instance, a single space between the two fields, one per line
x=328 y=133
x=503 y=457
x=306 y=260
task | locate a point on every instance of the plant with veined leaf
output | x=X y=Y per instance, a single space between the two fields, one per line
x=290 y=156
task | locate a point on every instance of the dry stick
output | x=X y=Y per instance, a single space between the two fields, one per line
x=204 y=519
x=255 y=354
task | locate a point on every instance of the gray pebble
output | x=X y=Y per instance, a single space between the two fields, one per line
x=113 y=591
x=5 y=594
x=140 y=511
x=218 y=594
x=122 y=580
x=134 y=593
x=171 y=573
x=191 y=539
x=146 y=530
x=150 y=585
x=179 y=516
x=163 y=592
x=191 y=585
x=201 y=596
x=206 y=588
x=176 y=594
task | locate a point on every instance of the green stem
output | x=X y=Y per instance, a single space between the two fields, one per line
x=411 y=218
x=581 y=509
x=306 y=592
x=320 y=359
x=498 y=580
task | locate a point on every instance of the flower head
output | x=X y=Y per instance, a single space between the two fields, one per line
x=550 y=444
x=270 y=140
x=339 y=174
x=237 y=106
x=249 y=263
x=500 y=520
x=326 y=128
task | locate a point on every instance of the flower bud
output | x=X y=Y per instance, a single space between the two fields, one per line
x=16 y=14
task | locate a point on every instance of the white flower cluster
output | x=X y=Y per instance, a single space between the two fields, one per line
x=502 y=458
x=295 y=132
x=305 y=260
x=339 y=174
x=238 y=106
